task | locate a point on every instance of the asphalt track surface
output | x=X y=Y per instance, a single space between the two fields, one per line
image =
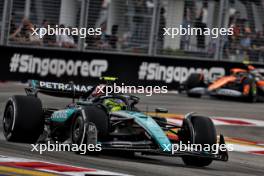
x=240 y=164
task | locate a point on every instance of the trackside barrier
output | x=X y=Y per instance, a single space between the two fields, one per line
x=21 y=64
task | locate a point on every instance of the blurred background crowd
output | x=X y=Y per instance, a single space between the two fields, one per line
x=136 y=26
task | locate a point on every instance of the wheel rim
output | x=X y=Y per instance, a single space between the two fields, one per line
x=8 y=120
x=77 y=130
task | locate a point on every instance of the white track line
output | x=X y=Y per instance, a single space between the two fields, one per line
x=227 y=121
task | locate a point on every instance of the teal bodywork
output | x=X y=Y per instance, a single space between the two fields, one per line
x=150 y=125
x=62 y=115
x=33 y=84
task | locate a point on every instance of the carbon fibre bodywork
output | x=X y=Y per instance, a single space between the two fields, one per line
x=89 y=121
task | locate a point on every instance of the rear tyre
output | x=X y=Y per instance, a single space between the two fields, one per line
x=194 y=80
x=204 y=133
x=23 y=120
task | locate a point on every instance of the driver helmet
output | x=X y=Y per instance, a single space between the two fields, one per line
x=114 y=104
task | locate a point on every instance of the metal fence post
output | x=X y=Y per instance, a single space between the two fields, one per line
x=153 y=31
x=27 y=8
x=223 y=4
x=83 y=22
x=5 y=21
x=216 y=56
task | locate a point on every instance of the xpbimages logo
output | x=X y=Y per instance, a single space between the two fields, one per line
x=189 y=147
x=193 y=31
x=58 y=147
x=124 y=89
x=57 y=30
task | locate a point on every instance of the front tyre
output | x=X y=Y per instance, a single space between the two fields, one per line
x=83 y=135
x=204 y=134
x=23 y=120
x=90 y=125
x=78 y=130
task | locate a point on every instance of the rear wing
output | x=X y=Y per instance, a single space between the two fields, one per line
x=68 y=90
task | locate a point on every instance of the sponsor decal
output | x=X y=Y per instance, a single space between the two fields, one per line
x=24 y=63
x=59 y=114
x=62 y=115
x=64 y=87
x=169 y=74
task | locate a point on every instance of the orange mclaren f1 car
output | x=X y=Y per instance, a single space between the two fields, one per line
x=247 y=84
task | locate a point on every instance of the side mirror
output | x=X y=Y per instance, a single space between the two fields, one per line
x=161 y=110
